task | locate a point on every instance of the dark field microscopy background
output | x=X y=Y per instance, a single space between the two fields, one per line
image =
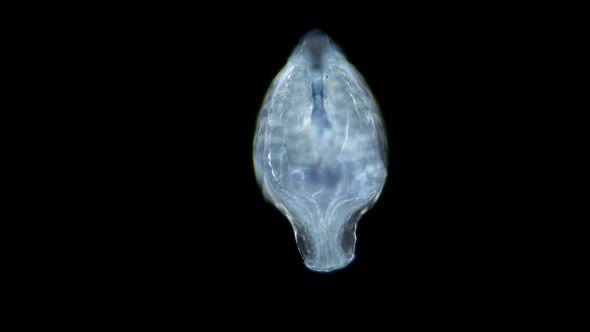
x=140 y=173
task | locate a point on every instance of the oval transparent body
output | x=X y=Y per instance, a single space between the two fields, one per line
x=320 y=152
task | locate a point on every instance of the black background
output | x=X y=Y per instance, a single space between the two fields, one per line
x=145 y=180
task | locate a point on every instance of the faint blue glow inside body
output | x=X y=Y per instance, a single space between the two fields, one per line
x=320 y=152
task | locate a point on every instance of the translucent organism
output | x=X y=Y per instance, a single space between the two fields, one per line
x=320 y=152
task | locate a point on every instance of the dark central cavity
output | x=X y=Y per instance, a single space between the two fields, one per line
x=317 y=45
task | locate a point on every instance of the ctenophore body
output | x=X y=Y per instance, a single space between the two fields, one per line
x=320 y=150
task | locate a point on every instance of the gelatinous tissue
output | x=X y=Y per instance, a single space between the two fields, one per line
x=320 y=150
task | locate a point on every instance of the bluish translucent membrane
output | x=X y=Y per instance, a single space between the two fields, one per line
x=320 y=150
